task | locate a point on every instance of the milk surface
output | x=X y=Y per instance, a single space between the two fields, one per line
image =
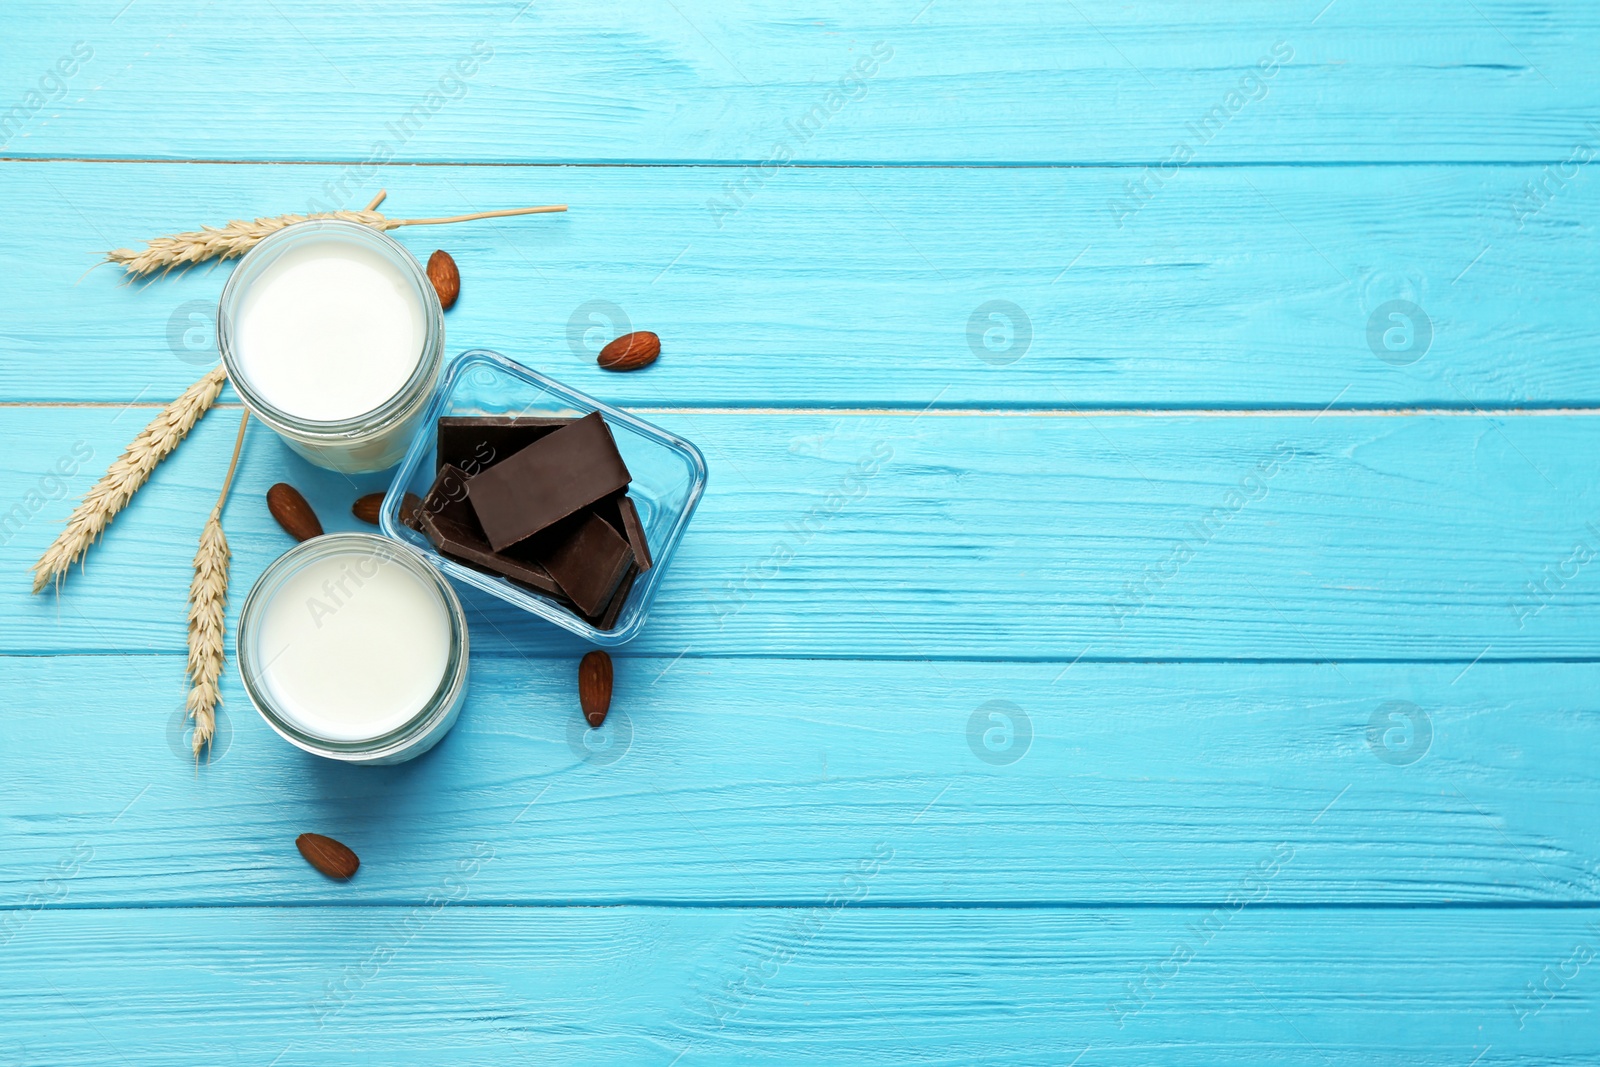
x=353 y=646
x=329 y=331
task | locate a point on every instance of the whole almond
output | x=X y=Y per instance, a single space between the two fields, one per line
x=327 y=855
x=631 y=351
x=293 y=513
x=594 y=686
x=445 y=277
x=366 y=508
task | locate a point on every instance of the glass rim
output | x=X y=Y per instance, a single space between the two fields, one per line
x=263 y=254
x=436 y=707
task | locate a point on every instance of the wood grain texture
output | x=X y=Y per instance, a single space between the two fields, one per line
x=958 y=536
x=1302 y=705
x=1030 y=81
x=844 y=985
x=993 y=784
x=1232 y=287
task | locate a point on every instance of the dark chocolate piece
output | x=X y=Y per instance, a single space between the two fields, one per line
x=618 y=599
x=618 y=509
x=474 y=443
x=549 y=480
x=633 y=530
x=588 y=560
x=447 y=520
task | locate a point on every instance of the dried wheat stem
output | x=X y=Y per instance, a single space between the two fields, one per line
x=117 y=486
x=391 y=224
x=238 y=237
x=208 y=602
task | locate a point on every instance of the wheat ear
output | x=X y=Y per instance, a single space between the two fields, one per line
x=117 y=486
x=238 y=237
x=208 y=601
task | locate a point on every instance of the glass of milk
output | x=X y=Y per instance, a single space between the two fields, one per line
x=354 y=647
x=333 y=336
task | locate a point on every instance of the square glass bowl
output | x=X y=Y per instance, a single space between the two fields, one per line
x=669 y=474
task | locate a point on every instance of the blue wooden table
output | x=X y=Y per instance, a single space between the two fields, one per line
x=1143 y=610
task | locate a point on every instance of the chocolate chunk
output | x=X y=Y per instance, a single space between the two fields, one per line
x=633 y=530
x=557 y=475
x=475 y=443
x=618 y=599
x=447 y=520
x=623 y=516
x=587 y=558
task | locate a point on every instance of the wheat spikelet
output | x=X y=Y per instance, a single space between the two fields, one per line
x=117 y=486
x=208 y=601
x=218 y=242
x=238 y=237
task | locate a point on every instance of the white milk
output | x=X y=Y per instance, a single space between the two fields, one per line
x=353 y=645
x=329 y=331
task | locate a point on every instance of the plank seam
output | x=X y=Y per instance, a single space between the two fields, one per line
x=740 y=163
x=1020 y=411
x=804 y=903
x=1153 y=661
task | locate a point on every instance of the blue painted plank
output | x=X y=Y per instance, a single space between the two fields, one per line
x=952 y=535
x=996 y=784
x=693 y=987
x=1030 y=81
x=1248 y=287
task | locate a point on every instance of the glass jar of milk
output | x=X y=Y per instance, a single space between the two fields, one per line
x=354 y=647
x=333 y=336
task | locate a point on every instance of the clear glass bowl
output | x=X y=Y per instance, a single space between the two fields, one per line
x=669 y=475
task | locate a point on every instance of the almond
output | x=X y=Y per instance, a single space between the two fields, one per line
x=594 y=686
x=292 y=512
x=366 y=509
x=327 y=855
x=631 y=351
x=445 y=277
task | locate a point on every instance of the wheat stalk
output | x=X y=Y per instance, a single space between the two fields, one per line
x=238 y=237
x=117 y=486
x=208 y=600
